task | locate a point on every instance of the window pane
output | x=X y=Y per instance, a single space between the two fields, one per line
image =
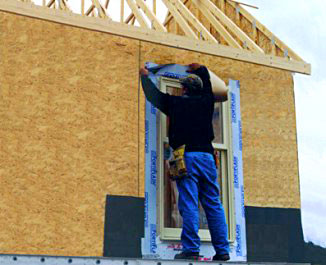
x=218 y=123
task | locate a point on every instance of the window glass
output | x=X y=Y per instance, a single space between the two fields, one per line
x=218 y=123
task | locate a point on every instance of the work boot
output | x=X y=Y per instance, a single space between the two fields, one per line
x=187 y=255
x=224 y=257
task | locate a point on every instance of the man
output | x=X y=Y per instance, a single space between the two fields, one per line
x=191 y=125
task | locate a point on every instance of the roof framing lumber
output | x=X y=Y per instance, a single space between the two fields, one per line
x=217 y=25
x=101 y=11
x=268 y=33
x=232 y=26
x=179 y=19
x=193 y=20
x=134 y=8
x=169 y=15
x=167 y=39
x=148 y=12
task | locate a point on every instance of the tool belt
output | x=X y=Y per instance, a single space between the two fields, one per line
x=178 y=168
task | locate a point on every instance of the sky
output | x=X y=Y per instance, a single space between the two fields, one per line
x=300 y=24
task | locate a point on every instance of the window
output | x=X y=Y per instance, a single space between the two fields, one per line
x=169 y=219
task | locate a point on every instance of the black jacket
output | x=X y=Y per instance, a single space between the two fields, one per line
x=190 y=116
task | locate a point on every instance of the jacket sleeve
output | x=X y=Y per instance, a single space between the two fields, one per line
x=154 y=95
x=203 y=73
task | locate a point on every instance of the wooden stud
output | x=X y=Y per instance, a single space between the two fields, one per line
x=43 y=2
x=254 y=31
x=273 y=51
x=155 y=22
x=193 y=20
x=222 y=4
x=180 y=20
x=153 y=36
x=138 y=15
x=82 y=7
x=217 y=25
x=122 y=10
x=237 y=15
x=154 y=7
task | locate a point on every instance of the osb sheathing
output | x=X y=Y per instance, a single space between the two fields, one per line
x=68 y=136
x=72 y=131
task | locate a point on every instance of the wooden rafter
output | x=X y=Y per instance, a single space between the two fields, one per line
x=232 y=26
x=155 y=22
x=193 y=20
x=244 y=4
x=169 y=15
x=217 y=25
x=89 y=10
x=129 y=18
x=154 y=36
x=179 y=19
x=267 y=33
x=107 y=4
x=141 y=20
x=100 y=9
x=52 y=2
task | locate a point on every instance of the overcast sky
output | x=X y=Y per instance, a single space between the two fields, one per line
x=301 y=25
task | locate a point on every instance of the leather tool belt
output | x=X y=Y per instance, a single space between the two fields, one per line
x=178 y=168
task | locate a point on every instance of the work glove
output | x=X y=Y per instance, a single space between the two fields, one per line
x=193 y=67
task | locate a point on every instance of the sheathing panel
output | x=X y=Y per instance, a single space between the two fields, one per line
x=269 y=128
x=72 y=131
x=68 y=135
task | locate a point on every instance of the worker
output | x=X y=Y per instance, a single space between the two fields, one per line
x=191 y=126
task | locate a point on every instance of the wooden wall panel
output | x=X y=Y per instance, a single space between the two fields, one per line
x=72 y=131
x=68 y=134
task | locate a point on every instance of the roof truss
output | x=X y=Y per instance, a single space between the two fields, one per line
x=218 y=27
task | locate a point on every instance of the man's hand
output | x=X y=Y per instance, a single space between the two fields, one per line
x=143 y=71
x=193 y=67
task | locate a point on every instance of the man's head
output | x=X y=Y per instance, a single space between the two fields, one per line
x=192 y=84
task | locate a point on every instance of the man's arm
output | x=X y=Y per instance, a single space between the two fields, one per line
x=203 y=73
x=153 y=94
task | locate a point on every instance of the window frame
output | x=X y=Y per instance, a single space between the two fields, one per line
x=166 y=233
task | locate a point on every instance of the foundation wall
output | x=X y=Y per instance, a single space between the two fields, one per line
x=72 y=131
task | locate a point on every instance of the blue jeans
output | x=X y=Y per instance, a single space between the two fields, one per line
x=201 y=183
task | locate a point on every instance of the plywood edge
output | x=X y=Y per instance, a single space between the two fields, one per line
x=168 y=39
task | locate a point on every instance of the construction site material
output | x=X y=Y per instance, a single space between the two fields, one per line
x=72 y=128
x=251 y=51
x=57 y=260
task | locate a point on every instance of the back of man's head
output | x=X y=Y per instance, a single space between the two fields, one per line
x=193 y=85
